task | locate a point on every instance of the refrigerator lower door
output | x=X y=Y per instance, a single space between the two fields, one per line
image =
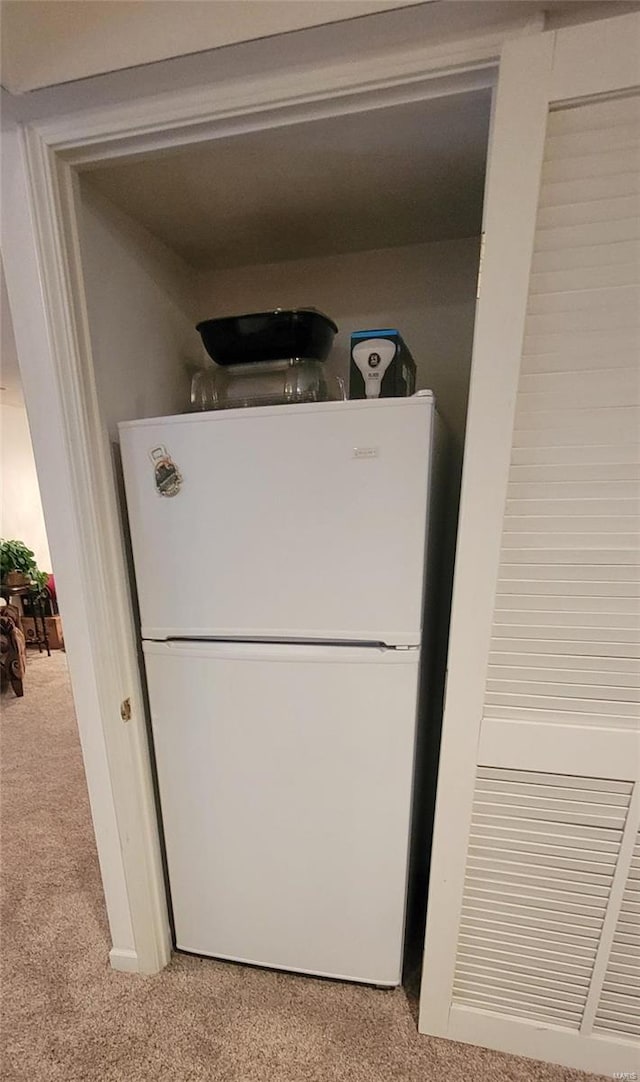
x=285 y=777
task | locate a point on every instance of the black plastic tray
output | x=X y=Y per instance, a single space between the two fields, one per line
x=268 y=336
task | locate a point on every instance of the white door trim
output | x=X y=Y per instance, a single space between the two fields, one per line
x=325 y=89
x=92 y=573
x=536 y=75
x=55 y=454
x=510 y=215
x=100 y=571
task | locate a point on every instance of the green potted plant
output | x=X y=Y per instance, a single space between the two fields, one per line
x=18 y=565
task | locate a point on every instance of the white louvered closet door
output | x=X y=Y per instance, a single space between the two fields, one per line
x=533 y=925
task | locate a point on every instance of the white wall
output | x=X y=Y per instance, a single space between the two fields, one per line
x=21 y=516
x=427 y=291
x=139 y=298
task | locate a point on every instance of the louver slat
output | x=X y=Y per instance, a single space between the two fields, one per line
x=532 y=915
x=547 y=852
x=569 y=582
x=619 y=1005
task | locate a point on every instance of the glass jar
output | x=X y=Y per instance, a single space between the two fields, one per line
x=264 y=383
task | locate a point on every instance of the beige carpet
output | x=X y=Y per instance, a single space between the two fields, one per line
x=67 y=1017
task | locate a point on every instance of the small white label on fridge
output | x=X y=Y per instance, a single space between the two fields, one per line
x=366 y=452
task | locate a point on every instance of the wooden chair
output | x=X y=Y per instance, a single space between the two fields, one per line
x=12 y=649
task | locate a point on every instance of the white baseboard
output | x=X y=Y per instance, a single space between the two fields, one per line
x=597 y=1053
x=126 y=961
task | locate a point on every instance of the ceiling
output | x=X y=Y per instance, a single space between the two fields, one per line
x=46 y=42
x=408 y=174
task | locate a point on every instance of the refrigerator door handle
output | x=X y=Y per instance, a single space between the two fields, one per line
x=286 y=652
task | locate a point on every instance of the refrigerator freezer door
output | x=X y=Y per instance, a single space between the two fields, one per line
x=291 y=522
x=285 y=788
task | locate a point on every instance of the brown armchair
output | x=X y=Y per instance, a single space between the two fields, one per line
x=12 y=648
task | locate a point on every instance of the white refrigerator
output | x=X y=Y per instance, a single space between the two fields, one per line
x=280 y=558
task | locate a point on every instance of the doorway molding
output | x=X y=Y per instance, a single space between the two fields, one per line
x=45 y=282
